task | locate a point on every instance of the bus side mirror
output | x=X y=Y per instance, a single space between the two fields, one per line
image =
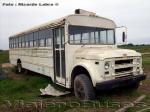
x=123 y=36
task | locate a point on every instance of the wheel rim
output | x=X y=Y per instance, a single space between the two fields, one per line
x=19 y=68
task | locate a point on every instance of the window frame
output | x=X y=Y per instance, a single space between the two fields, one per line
x=99 y=43
x=24 y=40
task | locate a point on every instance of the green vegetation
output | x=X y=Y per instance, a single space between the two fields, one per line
x=4 y=57
x=138 y=48
x=26 y=88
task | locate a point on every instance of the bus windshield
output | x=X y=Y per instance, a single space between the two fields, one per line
x=91 y=35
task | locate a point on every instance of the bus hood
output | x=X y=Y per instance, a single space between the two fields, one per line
x=103 y=53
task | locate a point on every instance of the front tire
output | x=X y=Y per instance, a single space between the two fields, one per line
x=83 y=88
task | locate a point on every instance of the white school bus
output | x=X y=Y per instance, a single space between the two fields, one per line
x=77 y=51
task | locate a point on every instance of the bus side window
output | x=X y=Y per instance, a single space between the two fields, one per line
x=12 y=42
x=48 y=41
x=41 y=38
x=92 y=37
x=49 y=36
x=41 y=41
x=16 y=42
x=26 y=40
x=97 y=37
x=35 y=38
x=31 y=39
x=19 y=42
x=34 y=43
x=22 y=40
x=31 y=43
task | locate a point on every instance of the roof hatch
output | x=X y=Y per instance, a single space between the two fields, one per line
x=84 y=12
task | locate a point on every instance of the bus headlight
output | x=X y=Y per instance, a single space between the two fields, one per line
x=107 y=65
x=138 y=70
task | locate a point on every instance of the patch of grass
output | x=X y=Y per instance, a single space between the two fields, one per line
x=4 y=57
x=138 y=48
x=12 y=87
x=146 y=59
x=57 y=108
x=131 y=110
x=26 y=89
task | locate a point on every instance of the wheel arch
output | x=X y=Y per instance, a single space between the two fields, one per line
x=79 y=69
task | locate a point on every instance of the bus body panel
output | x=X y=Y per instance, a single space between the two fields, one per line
x=39 y=60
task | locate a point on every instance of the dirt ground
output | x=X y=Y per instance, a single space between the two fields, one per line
x=6 y=65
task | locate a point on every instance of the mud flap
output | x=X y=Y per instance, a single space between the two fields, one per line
x=50 y=90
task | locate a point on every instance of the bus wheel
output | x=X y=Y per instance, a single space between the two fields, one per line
x=83 y=88
x=19 y=68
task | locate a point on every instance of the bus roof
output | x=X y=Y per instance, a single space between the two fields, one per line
x=74 y=19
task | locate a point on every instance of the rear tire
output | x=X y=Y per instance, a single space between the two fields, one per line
x=83 y=88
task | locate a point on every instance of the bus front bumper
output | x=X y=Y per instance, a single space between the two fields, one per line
x=119 y=82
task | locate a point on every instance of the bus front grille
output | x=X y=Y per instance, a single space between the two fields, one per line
x=123 y=67
x=123 y=70
x=122 y=62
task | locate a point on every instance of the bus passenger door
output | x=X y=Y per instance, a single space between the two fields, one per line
x=59 y=56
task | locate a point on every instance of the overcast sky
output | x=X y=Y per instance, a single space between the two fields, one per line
x=135 y=14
